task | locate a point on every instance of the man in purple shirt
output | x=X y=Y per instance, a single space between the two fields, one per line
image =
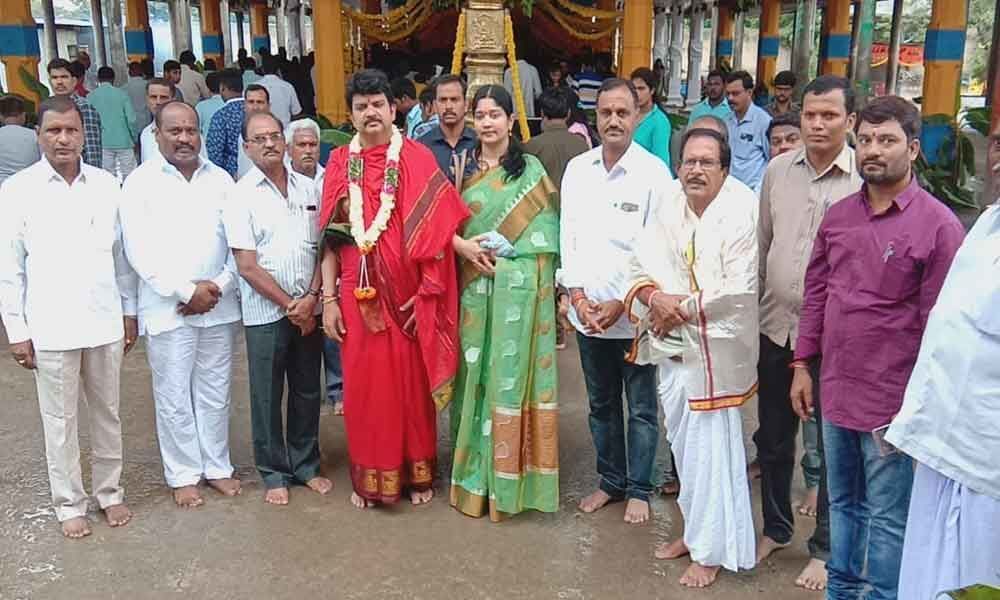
x=878 y=263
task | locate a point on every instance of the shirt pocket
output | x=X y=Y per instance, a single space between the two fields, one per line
x=900 y=273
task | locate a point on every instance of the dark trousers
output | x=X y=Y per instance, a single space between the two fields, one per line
x=775 y=440
x=276 y=352
x=626 y=469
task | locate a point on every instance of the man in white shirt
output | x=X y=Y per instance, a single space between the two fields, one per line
x=531 y=84
x=67 y=295
x=192 y=84
x=272 y=224
x=281 y=94
x=607 y=195
x=188 y=305
x=302 y=137
x=948 y=423
x=158 y=93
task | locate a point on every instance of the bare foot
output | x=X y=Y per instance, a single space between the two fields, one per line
x=424 y=497
x=813 y=577
x=117 y=515
x=699 y=576
x=227 y=486
x=766 y=546
x=753 y=471
x=636 y=511
x=807 y=507
x=671 y=488
x=276 y=496
x=188 y=496
x=320 y=485
x=671 y=550
x=360 y=502
x=76 y=528
x=338 y=408
x=595 y=501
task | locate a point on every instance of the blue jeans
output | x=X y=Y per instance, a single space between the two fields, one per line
x=626 y=469
x=869 y=500
x=334 y=373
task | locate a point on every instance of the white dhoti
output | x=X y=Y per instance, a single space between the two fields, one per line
x=192 y=372
x=952 y=538
x=711 y=465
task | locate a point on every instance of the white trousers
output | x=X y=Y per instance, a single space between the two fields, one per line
x=192 y=372
x=952 y=538
x=711 y=465
x=118 y=162
x=62 y=379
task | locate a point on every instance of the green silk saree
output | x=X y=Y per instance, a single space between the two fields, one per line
x=504 y=413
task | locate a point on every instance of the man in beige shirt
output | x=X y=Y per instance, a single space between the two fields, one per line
x=797 y=190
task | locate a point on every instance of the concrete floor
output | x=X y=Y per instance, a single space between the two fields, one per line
x=323 y=547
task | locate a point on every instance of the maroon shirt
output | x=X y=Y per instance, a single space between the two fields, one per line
x=871 y=282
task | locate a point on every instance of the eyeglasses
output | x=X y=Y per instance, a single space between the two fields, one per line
x=260 y=140
x=706 y=164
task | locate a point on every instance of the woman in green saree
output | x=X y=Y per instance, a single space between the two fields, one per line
x=504 y=415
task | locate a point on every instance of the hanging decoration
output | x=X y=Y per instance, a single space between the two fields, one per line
x=456 y=59
x=515 y=74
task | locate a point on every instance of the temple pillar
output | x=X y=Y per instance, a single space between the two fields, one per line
x=895 y=41
x=637 y=36
x=138 y=35
x=49 y=30
x=835 y=40
x=661 y=35
x=227 y=33
x=770 y=42
x=211 y=32
x=116 y=40
x=20 y=51
x=802 y=51
x=259 y=36
x=944 y=49
x=865 y=11
x=724 y=38
x=328 y=41
x=674 y=97
x=99 y=54
x=695 y=46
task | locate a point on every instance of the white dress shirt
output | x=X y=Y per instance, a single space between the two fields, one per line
x=951 y=407
x=64 y=280
x=174 y=237
x=149 y=150
x=283 y=231
x=602 y=214
x=281 y=94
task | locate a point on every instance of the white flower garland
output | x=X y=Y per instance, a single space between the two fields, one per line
x=366 y=238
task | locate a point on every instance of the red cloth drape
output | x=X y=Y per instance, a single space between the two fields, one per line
x=392 y=378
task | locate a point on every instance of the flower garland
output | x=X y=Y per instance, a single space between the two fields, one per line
x=456 y=59
x=515 y=75
x=367 y=238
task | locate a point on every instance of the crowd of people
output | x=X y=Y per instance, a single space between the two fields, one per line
x=434 y=265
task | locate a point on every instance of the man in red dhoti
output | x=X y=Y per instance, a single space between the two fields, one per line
x=390 y=217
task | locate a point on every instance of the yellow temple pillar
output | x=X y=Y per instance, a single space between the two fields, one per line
x=329 y=45
x=259 y=36
x=770 y=41
x=637 y=36
x=724 y=43
x=20 y=51
x=835 y=40
x=944 y=49
x=138 y=34
x=211 y=31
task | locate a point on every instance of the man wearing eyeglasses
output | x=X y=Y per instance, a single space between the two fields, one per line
x=694 y=296
x=271 y=220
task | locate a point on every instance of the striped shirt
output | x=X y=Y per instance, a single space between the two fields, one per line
x=587 y=84
x=283 y=231
x=93 y=152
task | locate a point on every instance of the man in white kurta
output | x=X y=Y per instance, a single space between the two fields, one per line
x=188 y=306
x=694 y=297
x=64 y=287
x=948 y=425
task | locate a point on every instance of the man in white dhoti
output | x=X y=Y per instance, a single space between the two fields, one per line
x=694 y=296
x=948 y=423
x=188 y=306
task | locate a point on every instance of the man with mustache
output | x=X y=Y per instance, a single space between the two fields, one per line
x=694 y=296
x=390 y=296
x=798 y=188
x=159 y=92
x=65 y=286
x=224 y=141
x=877 y=265
x=747 y=125
x=188 y=306
x=608 y=193
x=271 y=225
x=947 y=422
x=452 y=141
